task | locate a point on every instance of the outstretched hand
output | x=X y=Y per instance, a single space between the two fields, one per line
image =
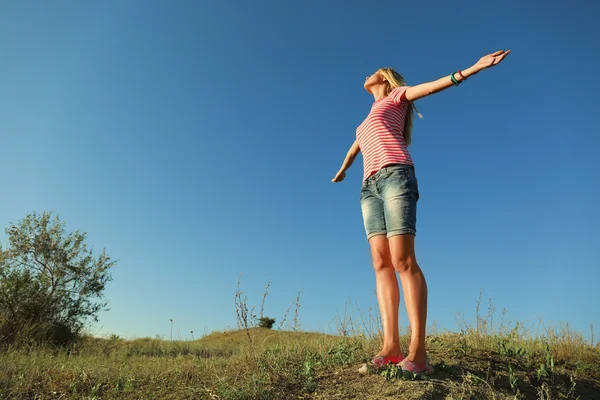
x=491 y=59
x=339 y=176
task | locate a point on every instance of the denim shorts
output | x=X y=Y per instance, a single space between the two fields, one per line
x=388 y=200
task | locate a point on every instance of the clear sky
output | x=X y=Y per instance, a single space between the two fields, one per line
x=196 y=141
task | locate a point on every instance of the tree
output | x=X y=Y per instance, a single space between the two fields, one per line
x=266 y=322
x=50 y=278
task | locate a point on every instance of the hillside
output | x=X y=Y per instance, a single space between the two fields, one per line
x=265 y=364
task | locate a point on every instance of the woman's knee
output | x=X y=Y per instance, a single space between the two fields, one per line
x=405 y=264
x=381 y=261
x=380 y=253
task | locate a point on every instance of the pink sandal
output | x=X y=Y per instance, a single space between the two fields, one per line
x=409 y=366
x=380 y=361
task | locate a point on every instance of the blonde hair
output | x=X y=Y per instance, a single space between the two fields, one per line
x=396 y=80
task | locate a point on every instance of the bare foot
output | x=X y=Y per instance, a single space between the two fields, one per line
x=416 y=358
x=390 y=352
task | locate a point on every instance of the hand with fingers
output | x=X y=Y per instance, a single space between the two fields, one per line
x=490 y=60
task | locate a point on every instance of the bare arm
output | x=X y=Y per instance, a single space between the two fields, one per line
x=352 y=153
x=425 y=89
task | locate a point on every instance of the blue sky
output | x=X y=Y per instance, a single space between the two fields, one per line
x=196 y=142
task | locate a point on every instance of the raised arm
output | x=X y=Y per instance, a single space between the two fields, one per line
x=425 y=89
x=352 y=153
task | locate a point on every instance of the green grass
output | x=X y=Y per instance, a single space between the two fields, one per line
x=481 y=361
x=301 y=365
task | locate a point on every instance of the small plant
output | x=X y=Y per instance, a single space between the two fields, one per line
x=391 y=372
x=512 y=378
x=474 y=379
x=544 y=392
x=571 y=392
x=344 y=352
x=508 y=349
x=309 y=385
x=462 y=344
x=296 y=325
x=547 y=367
x=245 y=316
x=549 y=359
x=541 y=372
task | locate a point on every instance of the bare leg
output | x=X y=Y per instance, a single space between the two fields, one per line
x=402 y=252
x=388 y=295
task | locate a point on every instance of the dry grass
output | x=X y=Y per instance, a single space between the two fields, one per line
x=297 y=365
x=481 y=361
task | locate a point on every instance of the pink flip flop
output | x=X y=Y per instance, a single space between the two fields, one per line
x=380 y=361
x=409 y=366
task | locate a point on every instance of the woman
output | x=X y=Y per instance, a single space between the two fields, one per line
x=388 y=200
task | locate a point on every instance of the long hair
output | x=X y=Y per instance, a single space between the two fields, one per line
x=396 y=80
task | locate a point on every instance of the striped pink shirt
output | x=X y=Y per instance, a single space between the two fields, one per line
x=380 y=135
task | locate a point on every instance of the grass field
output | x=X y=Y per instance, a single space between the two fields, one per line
x=477 y=362
x=267 y=364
